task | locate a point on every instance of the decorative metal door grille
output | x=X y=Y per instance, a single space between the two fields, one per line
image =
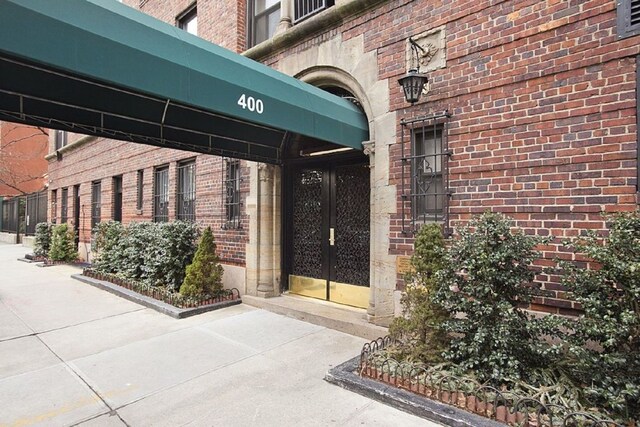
x=352 y=225
x=231 y=194
x=307 y=8
x=161 y=195
x=425 y=175
x=186 y=191
x=307 y=223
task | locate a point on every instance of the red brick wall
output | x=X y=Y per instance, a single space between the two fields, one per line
x=23 y=168
x=103 y=159
x=543 y=103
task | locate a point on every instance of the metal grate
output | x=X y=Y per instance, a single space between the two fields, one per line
x=64 y=203
x=140 y=190
x=96 y=203
x=54 y=206
x=425 y=178
x=186 y=191
x=36 y=211
x=161 y=194
x=628 y=18
x=231 y=196
x=307 y=8
x=13 y=212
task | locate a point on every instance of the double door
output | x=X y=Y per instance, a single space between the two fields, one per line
x=329 y=232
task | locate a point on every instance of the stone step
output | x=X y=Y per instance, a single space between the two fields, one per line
x=342 y=318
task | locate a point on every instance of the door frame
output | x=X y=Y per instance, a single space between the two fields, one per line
x=328 y=161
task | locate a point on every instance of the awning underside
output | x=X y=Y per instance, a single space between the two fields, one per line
x=100 y=68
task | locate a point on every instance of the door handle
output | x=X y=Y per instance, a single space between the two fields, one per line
x=332 y=240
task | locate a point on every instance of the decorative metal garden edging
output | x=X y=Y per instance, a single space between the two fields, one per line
x=173 y=298
x=465 y=393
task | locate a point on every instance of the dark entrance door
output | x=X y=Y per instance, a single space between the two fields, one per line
x=329 y=232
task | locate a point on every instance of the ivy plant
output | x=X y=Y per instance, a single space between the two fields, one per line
x=485 y=282
x=604 y=346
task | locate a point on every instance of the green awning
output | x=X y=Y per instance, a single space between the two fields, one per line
x=102 y=68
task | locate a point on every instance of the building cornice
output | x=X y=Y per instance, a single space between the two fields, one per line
x=71 y=147
x=327 y=19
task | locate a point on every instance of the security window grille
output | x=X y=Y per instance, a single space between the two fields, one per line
x=61 y=139
x=96 y=202
x=264 y=17
x=117 y=198
x=64 y=203
x=306 y=8
x=161 y=195
x=232 y=193
x=54 y=206
x=425 y=180
x=140 y=190
x=188 y=21
x=628 y=18
x=186 y=209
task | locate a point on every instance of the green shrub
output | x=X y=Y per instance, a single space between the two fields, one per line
x=42 y=239
x=609 y=293
x=109 y=246
x=155 y=254
x=204 y=275
x=63 y=245
x=419 y=331
x=485 y=280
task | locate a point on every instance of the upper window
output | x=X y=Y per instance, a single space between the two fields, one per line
x=628 y=18
x=232 y=193
x=424 y=162
x=61 y=138
x=264 y=16
x=186 y=209
x=161 y=194
x=188 y=21
x=307 y=8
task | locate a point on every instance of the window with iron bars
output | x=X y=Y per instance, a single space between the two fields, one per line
x=186 y=195
x=425 y=177
x=304 y=9
x=161 y=194
x=231 y=196
x=140 y=190
x=54 y=206
x=96 y=201
x=64 y=203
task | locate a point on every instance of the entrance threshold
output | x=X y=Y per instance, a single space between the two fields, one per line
x=345 y=319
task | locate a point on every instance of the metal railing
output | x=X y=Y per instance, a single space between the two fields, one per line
x=465 y=393
x=36 y=211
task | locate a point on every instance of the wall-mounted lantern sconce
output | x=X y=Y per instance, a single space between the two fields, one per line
x=413 y=83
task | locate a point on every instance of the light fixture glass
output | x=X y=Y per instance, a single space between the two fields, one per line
x=413 y=85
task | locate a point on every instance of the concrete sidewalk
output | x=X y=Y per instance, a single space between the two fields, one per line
x=71 y=354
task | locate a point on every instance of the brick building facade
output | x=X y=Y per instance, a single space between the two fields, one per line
x=530 y=110
x=23 y=168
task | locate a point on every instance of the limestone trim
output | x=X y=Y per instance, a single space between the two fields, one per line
x=329 y=18
x=70 y=147
x=326 y=75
